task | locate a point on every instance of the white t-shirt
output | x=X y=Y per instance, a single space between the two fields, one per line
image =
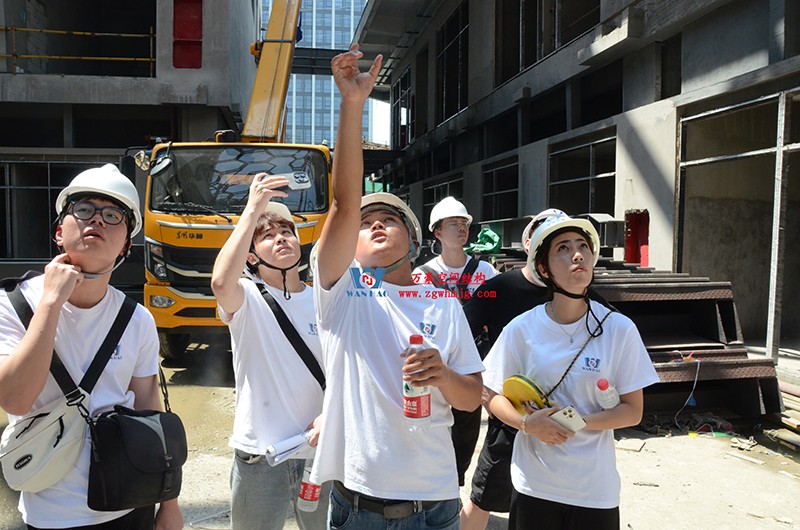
x=449 y=275
x=276 y=395
x=365 y=441
x=78 y=336
x=582 y=471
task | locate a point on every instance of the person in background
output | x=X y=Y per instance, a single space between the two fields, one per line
x=461 y=275
x=385 y=472
x=277 y=396
x=73 y=309
x=566 y=479
x=453 y=269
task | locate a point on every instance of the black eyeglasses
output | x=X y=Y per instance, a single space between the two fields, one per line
x=84 y=211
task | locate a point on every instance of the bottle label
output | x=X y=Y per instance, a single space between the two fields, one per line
x=416 y=401
x=309 y=492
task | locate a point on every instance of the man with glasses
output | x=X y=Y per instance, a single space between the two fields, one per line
x=461 y=275
x=453 y=269
x=73 y=309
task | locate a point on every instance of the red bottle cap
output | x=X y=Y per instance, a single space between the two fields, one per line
x=415 y=339
x=602 y=384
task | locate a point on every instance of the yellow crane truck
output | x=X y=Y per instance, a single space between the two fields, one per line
x=197 y=190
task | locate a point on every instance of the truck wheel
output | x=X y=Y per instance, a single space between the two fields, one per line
x=173 y=345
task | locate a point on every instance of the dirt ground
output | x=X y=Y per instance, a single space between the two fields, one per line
x=670 y=482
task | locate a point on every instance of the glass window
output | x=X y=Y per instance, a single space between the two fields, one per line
x=582 y=178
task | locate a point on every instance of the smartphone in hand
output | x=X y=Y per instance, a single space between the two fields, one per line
x=569 y=418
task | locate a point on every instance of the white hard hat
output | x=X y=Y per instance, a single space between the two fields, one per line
x=282 y=211
x=448 y=207
x=105 y=181
x=405 y=212
x=559 y=223
x=539 y=217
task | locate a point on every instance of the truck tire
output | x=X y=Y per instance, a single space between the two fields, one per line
x=173 y=345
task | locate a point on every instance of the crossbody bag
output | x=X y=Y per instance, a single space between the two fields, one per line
x=38 y=450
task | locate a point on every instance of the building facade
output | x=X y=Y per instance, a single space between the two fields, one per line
x=313 y=102
x=680 y=118
x=82 y=82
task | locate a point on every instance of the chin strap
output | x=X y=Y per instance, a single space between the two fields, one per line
x=598 y=330
x=93 y=275
x=286 y=294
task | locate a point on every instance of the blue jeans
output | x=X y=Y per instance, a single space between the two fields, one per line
x=261 y=495
x=442 y=516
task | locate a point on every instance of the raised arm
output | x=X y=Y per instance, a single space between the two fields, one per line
x=337 y=245
x=233 y=255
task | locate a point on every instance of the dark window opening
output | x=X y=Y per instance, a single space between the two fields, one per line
x=501 y=134
x=601 y=93
x=582 y=178
x=452 y=63
x=501 y=190
x=548 y=115
x=671 y=67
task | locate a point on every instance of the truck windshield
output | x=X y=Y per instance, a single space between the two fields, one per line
x=217 y=178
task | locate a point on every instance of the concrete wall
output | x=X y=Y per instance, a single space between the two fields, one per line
x=646 y=154
x=727 y=232
x=729 y=42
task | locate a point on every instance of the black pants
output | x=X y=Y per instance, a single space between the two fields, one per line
x=530 y=512
x=138 y=519
x=465 y=432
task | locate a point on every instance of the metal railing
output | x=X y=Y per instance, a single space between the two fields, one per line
x=15 y=56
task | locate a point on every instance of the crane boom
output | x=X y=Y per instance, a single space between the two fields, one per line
x=266 y=113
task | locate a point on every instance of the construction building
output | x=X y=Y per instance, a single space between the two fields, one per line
x=680 y=117
x=83 y=82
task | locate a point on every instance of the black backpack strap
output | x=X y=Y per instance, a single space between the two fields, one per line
x=25 y=314
x=294 y=337
x=105 y=350
x=466 y=277
x=60 y=374
x=437 y=282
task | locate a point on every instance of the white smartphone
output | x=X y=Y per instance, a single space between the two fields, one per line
x=568 y=417
x=298 y=180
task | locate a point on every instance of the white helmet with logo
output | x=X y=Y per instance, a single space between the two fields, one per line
x=560 y=223
x=405 y=212
x=527 y=233
x=105 y=181
x=448 y=207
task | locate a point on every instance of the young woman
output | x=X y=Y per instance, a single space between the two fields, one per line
x=565 y=479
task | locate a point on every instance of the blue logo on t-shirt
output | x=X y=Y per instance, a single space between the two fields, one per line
x=116 y=355
x=312 y=328
x=592 y=364
x=367 y=283
x=427 y=329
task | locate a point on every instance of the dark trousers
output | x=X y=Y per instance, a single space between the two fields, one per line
x=465 y=432
x=138 y=519
x=530 y=512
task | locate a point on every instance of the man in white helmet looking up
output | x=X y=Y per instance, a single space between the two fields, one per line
x=453 y=269
x=73 y=309
x=367 y=309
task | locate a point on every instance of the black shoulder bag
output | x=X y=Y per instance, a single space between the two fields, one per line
x=294 y=337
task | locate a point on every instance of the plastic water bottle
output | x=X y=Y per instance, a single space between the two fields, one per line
x=416 y=400
x=607 y=395
x=308 y=498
